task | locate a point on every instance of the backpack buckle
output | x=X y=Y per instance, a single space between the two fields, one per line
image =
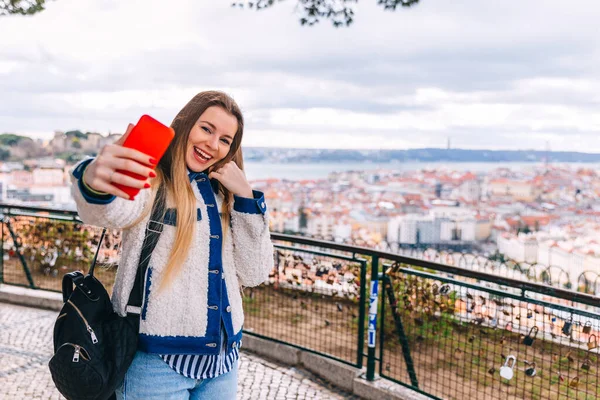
x=155 y=226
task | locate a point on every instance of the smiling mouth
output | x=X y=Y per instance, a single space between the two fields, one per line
x=204 y=156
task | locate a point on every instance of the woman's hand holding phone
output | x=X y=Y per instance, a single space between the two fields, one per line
x=105 y=171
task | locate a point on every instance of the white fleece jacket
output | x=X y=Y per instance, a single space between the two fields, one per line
x=183 y=310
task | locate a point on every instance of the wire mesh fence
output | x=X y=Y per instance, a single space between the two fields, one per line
x=312 y=301
x=38 y=251
x=487 y=341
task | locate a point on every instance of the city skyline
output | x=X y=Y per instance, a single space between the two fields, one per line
x=408 y=79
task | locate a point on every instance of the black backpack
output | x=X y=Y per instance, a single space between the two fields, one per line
x=93 y=345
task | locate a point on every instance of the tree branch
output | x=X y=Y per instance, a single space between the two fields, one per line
x=21 y=7
x=339 y=12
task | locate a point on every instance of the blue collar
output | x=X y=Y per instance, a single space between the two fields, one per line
x=197 y=175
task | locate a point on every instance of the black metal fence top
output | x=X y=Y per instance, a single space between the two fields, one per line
x=21 y=209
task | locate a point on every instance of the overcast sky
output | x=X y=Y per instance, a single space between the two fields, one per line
x=488 y=74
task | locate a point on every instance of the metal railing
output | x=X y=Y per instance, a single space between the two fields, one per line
x=443 y=330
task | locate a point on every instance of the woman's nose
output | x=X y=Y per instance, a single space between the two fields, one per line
x=213 y=142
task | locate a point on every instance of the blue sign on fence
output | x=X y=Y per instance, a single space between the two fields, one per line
x=373 y=313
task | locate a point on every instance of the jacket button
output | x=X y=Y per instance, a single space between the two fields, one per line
x=228 y=308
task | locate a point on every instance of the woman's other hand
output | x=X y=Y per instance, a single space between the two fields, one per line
x=101 y=174
x=233 y=178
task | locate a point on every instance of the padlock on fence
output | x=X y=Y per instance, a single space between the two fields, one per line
x=587 y=328
x=506 y=371
x=458 y=353
x=530 y=371
x=445 y=289
x=585 y=365
x=570 y=357
x=530 y=338
x=479 y=319
x=592 y=342
x=568 y=327
x=574 y=382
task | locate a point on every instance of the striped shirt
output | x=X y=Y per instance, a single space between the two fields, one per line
x=203 y=366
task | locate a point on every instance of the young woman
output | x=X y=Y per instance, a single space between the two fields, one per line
x=215 y=239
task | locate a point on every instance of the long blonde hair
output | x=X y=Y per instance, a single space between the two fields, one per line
x=172 y=172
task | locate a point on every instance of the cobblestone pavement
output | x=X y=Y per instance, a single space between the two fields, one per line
x=26 y=347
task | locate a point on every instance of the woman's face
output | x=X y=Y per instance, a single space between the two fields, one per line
x=210 y=139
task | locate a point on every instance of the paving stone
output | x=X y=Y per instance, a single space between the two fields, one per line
x=26 y=348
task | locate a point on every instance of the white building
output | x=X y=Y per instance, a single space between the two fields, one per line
x=556 y=250
x=284 y=221
x=342 y=231
x=445 y=223
x=470 y=190
x=61 y=195
x=522 y=248
x=48 y=177
x=463 y=230
x=321 y=225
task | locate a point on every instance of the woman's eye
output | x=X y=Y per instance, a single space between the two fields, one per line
x=225 y=141
x=206 y=129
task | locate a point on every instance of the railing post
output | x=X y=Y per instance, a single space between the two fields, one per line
x=373 y=318
x=410 y=366
x=18 y=249
x=361 y=313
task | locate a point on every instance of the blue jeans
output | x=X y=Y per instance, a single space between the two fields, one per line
x=150 y=378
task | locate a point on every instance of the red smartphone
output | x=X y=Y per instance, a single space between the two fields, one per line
x=150 y=137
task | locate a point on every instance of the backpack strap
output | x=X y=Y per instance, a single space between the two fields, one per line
x=91 y=271
x=76 y=277
x=68 y=280
x=154 y=228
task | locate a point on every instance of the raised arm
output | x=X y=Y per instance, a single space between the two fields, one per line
x=103 y=209
x=99 y=201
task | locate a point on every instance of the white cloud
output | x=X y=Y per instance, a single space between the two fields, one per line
x=487 y=74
